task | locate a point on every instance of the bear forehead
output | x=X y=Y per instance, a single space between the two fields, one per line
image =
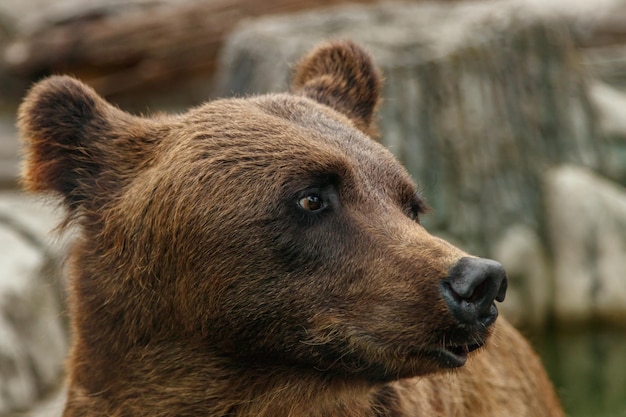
x=288 y=128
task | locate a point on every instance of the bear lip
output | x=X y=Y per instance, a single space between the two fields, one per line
x=455 y=356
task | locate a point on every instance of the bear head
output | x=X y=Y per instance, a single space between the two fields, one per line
x=267 y=233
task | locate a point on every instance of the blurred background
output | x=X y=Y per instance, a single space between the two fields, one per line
x=511 y=116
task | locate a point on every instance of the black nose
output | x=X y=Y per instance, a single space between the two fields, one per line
x=472 y=286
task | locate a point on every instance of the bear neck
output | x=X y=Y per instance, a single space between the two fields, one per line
x=180 y=380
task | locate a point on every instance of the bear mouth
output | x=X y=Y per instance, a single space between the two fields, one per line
x=454 y=356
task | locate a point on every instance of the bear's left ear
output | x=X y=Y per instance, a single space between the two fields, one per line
x=341 y=75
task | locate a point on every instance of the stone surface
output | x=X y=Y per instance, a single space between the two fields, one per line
x=33 y=336
x=9 y=147
x=51 y=406
x=530 y=293
x=610 y=105
x=608 y=64
x=586 y=225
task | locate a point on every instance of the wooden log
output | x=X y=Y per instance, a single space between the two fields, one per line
x=140 y=48
x=607 y=29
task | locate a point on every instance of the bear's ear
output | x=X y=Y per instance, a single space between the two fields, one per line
x=341 y=75
x=66 y=130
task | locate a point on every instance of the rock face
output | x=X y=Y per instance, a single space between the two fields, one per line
x=587 y=227
x=481 y=99
x=8 y=146
x=33 y=338
x=610 y=105
x=529 y=298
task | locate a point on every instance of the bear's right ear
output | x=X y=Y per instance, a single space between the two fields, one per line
x=67 y=131
x=342 y=76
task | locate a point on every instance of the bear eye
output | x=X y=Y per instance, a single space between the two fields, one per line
x=311 y=202
x=417 y=208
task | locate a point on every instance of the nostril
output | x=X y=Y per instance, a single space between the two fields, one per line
x=489 y=318
x=479 y=292
x=472 y=286
x=502 y=290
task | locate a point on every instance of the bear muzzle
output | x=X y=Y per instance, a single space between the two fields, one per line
x=471 y=289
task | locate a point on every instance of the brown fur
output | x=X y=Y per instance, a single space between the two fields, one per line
x=199 y=287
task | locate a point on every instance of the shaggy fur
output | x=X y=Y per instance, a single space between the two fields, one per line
x=260 y=257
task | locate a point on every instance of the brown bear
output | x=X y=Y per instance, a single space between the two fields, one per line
x=264 y=256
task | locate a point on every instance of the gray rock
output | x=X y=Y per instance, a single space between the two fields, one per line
x=610 y=105
x=9 y=146
x=530 y=292
x=586 y=224
x=51 y=406
x=33 y=336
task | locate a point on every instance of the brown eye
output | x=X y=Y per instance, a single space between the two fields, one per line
x=311 y=203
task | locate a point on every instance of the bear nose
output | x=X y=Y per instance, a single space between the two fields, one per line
x=472 y=286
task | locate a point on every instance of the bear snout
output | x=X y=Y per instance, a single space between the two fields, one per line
x=472 y=286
